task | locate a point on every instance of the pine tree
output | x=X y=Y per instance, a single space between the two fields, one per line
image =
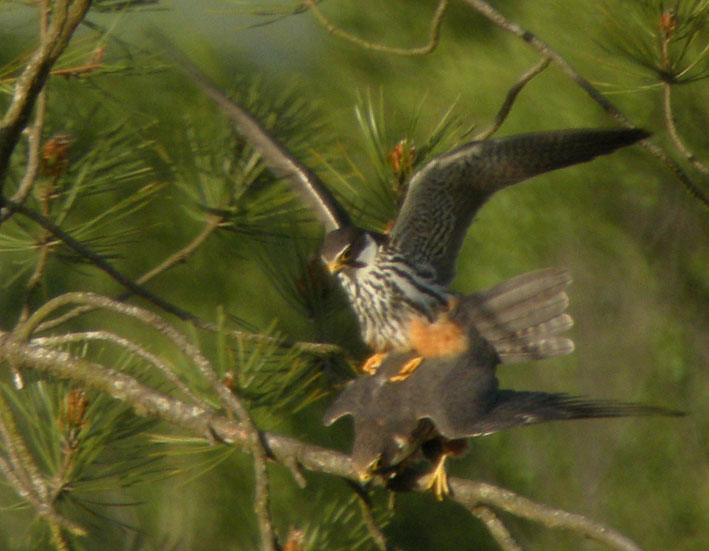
x=169 y=338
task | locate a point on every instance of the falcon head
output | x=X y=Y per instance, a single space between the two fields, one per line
x=378 y=450
x=349 y=248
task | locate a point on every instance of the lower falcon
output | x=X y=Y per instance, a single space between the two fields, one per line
x=448 y=399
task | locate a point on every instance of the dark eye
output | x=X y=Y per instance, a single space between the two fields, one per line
x=346 y=255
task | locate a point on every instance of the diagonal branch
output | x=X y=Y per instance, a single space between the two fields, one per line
x=66 y=16
x=656 y=151
x=150 y=403
x=322 y=349
x=496 y=527
x=470 y=493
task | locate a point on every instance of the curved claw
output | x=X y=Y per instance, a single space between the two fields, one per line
x=372 y=363
x=407 y=369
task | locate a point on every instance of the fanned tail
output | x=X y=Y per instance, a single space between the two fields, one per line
x=522 y=316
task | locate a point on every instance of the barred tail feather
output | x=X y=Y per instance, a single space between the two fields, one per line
x=522 y=316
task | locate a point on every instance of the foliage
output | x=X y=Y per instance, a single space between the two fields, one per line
x=134 y=164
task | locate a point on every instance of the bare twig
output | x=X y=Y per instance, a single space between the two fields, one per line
x=213 y=221
x=496 y=527
x=150 y=403
x=511 y=97
x=172 y=260
x=45 y=244
x=66 y=15
x=510 y=26
x=33 y=155
x=672 y=130
x=434 y=32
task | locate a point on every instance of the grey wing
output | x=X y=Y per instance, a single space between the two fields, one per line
x=276 y=157
x=445 y=194
x=512 y=408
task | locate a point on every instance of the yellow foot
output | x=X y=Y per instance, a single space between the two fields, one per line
x=372 y=363
x=437 y=479
x=407 y=369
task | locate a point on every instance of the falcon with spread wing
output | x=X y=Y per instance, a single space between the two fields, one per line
x=397 y=283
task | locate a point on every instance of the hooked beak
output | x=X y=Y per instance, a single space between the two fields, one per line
x=365 y=476
x=335 y=266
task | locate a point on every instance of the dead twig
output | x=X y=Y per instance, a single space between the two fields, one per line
x=434 y=32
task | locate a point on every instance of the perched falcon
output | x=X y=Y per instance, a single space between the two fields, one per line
x=397 y=283
x=448 y=399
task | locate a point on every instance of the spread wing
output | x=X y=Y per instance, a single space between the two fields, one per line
x=445 y=194
x=511 y=408
x=276 y=157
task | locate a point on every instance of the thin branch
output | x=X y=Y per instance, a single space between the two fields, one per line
x=33 y=155
x=45 y=244
x=511 y=97
x=172 y=260
x=35 y=135
x=434 y=32
x=213 y=221
x=129 y=345
x=66 y=16
x=20 y=457
x=365 y=505
x=316 y=348
x=99 y=261
x=470 y=493
x=23 y=474
x=510 y=26
x=672 y=130
x=497 y=528
x=150 y=403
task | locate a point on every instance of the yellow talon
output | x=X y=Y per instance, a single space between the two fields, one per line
x=372 y=363
x=407 y=369
x=437 y=479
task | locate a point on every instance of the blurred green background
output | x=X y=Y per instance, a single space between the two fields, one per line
x=636 y=243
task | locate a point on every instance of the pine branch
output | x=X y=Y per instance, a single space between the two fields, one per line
x=230 y=400
x=207 y=423
x=66 y=16
x=323 y=349
x=542 y=47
